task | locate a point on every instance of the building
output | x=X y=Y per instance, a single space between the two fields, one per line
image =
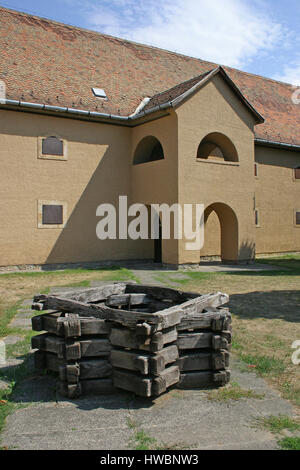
x=76 y=131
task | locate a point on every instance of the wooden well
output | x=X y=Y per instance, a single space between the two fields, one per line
x=134 y=337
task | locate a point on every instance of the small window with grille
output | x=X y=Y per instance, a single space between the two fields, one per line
x=297 y=173
x=52 y=147
x=51 y=214
x=297 y=217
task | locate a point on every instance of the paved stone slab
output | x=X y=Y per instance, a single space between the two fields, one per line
x=186 y=419
x=4 y=385
x=10 y=364
x=21 y=322
x=12 y=339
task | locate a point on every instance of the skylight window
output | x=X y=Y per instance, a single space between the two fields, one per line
x=99 y=93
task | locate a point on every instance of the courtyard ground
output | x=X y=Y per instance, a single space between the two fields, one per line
x=258 y=410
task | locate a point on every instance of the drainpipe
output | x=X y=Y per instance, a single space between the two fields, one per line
x=140 y=107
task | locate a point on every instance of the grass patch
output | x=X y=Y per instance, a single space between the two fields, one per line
x=263 y=364
x=16 y=287
x=142 y=441
x=232 y=392
x=290 y=443
x=266 y=317
x=277 y=424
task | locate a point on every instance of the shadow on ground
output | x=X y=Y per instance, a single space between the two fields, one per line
x=276 y=304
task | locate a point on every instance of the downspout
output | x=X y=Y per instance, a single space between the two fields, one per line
x=140 y=107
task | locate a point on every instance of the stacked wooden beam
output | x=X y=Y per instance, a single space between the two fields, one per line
x=81 y=361
x=204 y=342
x=139 y=338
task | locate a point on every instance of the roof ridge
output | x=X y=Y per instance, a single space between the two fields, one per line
x=97 y=33
x=201 y=76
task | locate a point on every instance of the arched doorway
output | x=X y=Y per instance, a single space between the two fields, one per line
x=227 y=244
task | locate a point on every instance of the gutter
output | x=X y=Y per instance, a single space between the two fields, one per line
x=274 y=144
x=139 y=113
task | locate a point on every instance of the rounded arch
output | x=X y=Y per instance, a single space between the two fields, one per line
x=149 y=149
x=217 y=146
x=228 y=230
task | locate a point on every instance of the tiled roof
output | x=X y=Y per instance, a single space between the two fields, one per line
x=174 y=92
x=43 y=61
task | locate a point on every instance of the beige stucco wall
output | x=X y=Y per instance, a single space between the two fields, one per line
x=99 y=168
x=277 y=198
x=97 y=171
x=157 y=182
x=215 y=108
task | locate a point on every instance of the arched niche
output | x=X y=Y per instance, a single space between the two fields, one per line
x=149 y=149
x=217 y=146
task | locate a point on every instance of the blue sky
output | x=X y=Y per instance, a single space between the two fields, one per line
x=258 y=36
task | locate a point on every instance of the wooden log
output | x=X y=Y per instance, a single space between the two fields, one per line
x=170 y=376
x=85 y=369
x=203 y=361
x=127 y=318
x=95 y=294
x=194 y=306
x=130 y=361
x=144 y=363
x=58 y=324
x=128 y=300
x=202 y=379
x=71 y=350
x=131 y=382
x=160 y=293
x=191 y=340
x=87 y=387
x=128 y=339
x=215 y=320
x=166 y=356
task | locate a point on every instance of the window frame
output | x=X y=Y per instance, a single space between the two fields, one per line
x=294 y=173
x=257 y=217
x=295 y=218
x=41 y=203
x=45 y=156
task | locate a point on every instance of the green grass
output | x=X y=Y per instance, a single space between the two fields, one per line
x=264 y=365
x=143 y=441
x=232 y=392
x=59 y=272
x=6 y=318
x=277 y=424
x=290 y=443
x=289 y=261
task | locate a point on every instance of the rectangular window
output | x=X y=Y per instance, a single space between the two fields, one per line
x=256 y=218
x=297 y=218
x=255 y=169
x=52 y=214
x=52 y=146
x=297 y=173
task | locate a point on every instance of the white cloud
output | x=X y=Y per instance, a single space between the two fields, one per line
x=231 y=33
x=290 y=74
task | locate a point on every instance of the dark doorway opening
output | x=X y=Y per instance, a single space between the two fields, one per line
x=158 y=247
